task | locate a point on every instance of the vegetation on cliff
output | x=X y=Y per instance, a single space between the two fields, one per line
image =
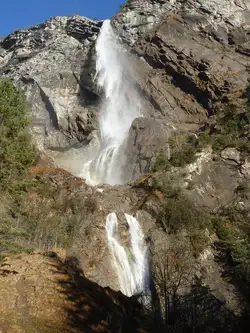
x=17 y=154
x=16 y=149
x=229 y=224
x=36 y=210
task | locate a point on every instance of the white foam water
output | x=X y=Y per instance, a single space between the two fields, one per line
x=131 y=264
x=120 y=106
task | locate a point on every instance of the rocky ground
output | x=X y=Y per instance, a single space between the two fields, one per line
x=41 y=293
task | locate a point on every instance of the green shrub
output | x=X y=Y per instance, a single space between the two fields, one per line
x=168 y=184
x=180 y=213
x=233 y=229
x=161 y=163
x=185 y=156
x=199 y=241
x=183 y=151
x=232 y=129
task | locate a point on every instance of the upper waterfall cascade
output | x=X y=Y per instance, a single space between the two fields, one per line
x=131 y=263
x=120 y=106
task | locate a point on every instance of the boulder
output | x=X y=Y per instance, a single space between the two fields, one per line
x=231 y=154
x=147 y=137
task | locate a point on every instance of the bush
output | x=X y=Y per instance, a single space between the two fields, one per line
x=161 y=163
x=232 y=129
x=168 y=184
x=183 y=151
x=17 y=154
x=180 y=213
x=185 y=156
x=233 y=229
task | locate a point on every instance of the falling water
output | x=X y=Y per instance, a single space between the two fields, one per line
x=120 y=106
x=132 y=269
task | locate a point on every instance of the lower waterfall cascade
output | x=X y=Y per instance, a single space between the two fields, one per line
x=131 y=264
x=120 y=106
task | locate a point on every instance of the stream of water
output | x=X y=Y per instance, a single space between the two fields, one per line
x=130 y=262
x=119 y=107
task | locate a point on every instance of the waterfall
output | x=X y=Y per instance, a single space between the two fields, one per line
x=120 y=106
x=131 y=264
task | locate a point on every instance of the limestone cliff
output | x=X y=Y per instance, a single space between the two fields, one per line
x=191 y=62
x=191 y=57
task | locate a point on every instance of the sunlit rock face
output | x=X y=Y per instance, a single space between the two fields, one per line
x=178 y=59
x=139 y=16
x=49 y=61
x=186 y=58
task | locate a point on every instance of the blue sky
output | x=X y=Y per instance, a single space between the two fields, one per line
x=18 y=14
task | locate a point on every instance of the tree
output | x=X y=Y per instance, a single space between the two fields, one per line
x=171 y=274
x=16 y=149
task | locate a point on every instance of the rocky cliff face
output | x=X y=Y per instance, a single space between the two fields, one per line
x=191 y=59
x=209 y=16
x=48 y=61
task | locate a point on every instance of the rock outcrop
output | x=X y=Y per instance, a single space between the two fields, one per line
x=147 y=137
x=48 y=61
x=193 y=54
x=190 y=48
x=220 y=19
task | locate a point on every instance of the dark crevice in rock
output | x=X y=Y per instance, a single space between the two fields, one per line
x=86 y=82
x=188 y=86
x=87 y=96
x=49 y=108
x=154 y=64
x=182 y=81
